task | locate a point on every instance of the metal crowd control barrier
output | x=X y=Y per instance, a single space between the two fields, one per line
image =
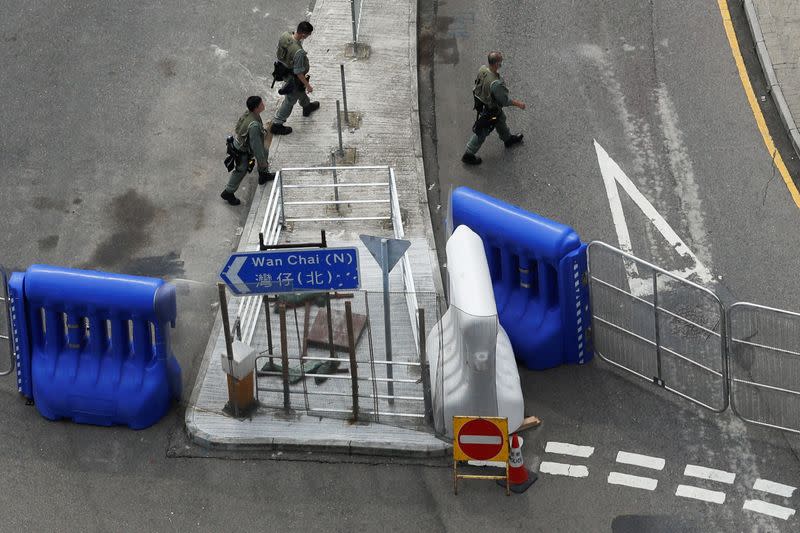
x=8 y=337
x=94 y=347
x=672 y=335
x=537 y=268
x=764 y=363
x=298 y=206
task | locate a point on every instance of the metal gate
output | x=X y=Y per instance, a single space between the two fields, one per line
x=8 y=337
x=664 y=329
x=764 y=363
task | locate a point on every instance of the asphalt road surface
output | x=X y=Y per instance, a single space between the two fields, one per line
x=655 y=84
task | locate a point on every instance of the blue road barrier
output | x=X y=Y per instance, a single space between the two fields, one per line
x=538 y=270
x=94 y=347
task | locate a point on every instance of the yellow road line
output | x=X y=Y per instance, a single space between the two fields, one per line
x=751 y=97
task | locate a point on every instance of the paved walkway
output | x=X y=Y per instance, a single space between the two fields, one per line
x=775 y=25
x=382 y=89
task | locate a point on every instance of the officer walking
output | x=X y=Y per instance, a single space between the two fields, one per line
x=293 y=57
x=248 y=143
x=491 y=96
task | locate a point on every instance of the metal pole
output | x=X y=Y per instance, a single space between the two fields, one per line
x=279 y=178
x=269 y=329
x=226 y=325
x=330 y=325
x=335 y=180
x=426 y=376
x=344 y=96
x=387 y=327
x=339 y=128
x=659 y=381
x=351 y=344
x=353 y=19
x=284 y=359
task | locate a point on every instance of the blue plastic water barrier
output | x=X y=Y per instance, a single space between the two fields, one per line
x=537 y=268
x=94 y=347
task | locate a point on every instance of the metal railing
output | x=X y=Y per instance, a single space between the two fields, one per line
x=8 y=336
x=764 y=365
x=360 y=389
x=296 y=203
x=672 y=335
x=679 y=336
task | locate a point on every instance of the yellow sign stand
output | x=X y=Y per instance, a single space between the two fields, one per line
x=477 y=438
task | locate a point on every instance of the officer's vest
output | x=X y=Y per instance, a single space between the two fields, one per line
x=243 y=129
x=483 y=86
x=287 y=49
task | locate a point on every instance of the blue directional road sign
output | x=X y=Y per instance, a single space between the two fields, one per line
x=276 y=271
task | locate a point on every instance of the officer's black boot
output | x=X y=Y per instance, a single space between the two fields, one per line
x=310 y=108
x=230 y=198
x=264 y=176
x=471 y=159
x=514 y=139
x=280 y=129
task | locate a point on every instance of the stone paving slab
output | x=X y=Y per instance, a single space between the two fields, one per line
x=775 y=26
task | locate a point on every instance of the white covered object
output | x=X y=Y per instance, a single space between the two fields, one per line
x=243 y=363
x=474 y=373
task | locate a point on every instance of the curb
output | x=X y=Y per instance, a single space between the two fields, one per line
x=769 y=72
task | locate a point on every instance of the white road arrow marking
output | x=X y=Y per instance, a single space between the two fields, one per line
x=613 y=175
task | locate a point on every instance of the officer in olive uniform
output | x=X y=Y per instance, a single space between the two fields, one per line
x=249 y=143
x=293 y=57
x=491 y=96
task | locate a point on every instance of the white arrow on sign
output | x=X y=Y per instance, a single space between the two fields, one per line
x=233 y=274
x=613 y=175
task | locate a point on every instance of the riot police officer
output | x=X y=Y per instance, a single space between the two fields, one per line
x=294 y=59
x=248 y=144
x=490 y=97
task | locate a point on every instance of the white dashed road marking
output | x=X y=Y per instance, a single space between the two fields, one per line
x=778 y=489
x=566 y=448
x=637 y=482
x=636 y=459
x=561 y=469
x=709 y=473
x=696 y=493
x=784 y=513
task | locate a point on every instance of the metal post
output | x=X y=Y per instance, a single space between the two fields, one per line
x=284 y=359
x=353 y=19
x=226 y=328
x=335 y=180
x=344 y=96
x=339 y=128
x=330 y=325
x=387 y=327
x=265 y=299
x=658 y=380
x=351 y=344
x=279 y=179
x=423 y=362
x=226 y=325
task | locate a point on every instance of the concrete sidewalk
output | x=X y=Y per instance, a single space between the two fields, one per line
x=775 y=25
x=382 y=89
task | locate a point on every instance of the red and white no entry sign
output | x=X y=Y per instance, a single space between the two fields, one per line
x=480 y=439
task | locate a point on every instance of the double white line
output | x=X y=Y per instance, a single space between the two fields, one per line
x=563 y=469
x=637 y=482
x=711 y=474
x=760 y=506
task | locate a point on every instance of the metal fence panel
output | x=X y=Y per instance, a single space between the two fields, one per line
x=765 y=365
x=327 y=390
x=660 y=327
